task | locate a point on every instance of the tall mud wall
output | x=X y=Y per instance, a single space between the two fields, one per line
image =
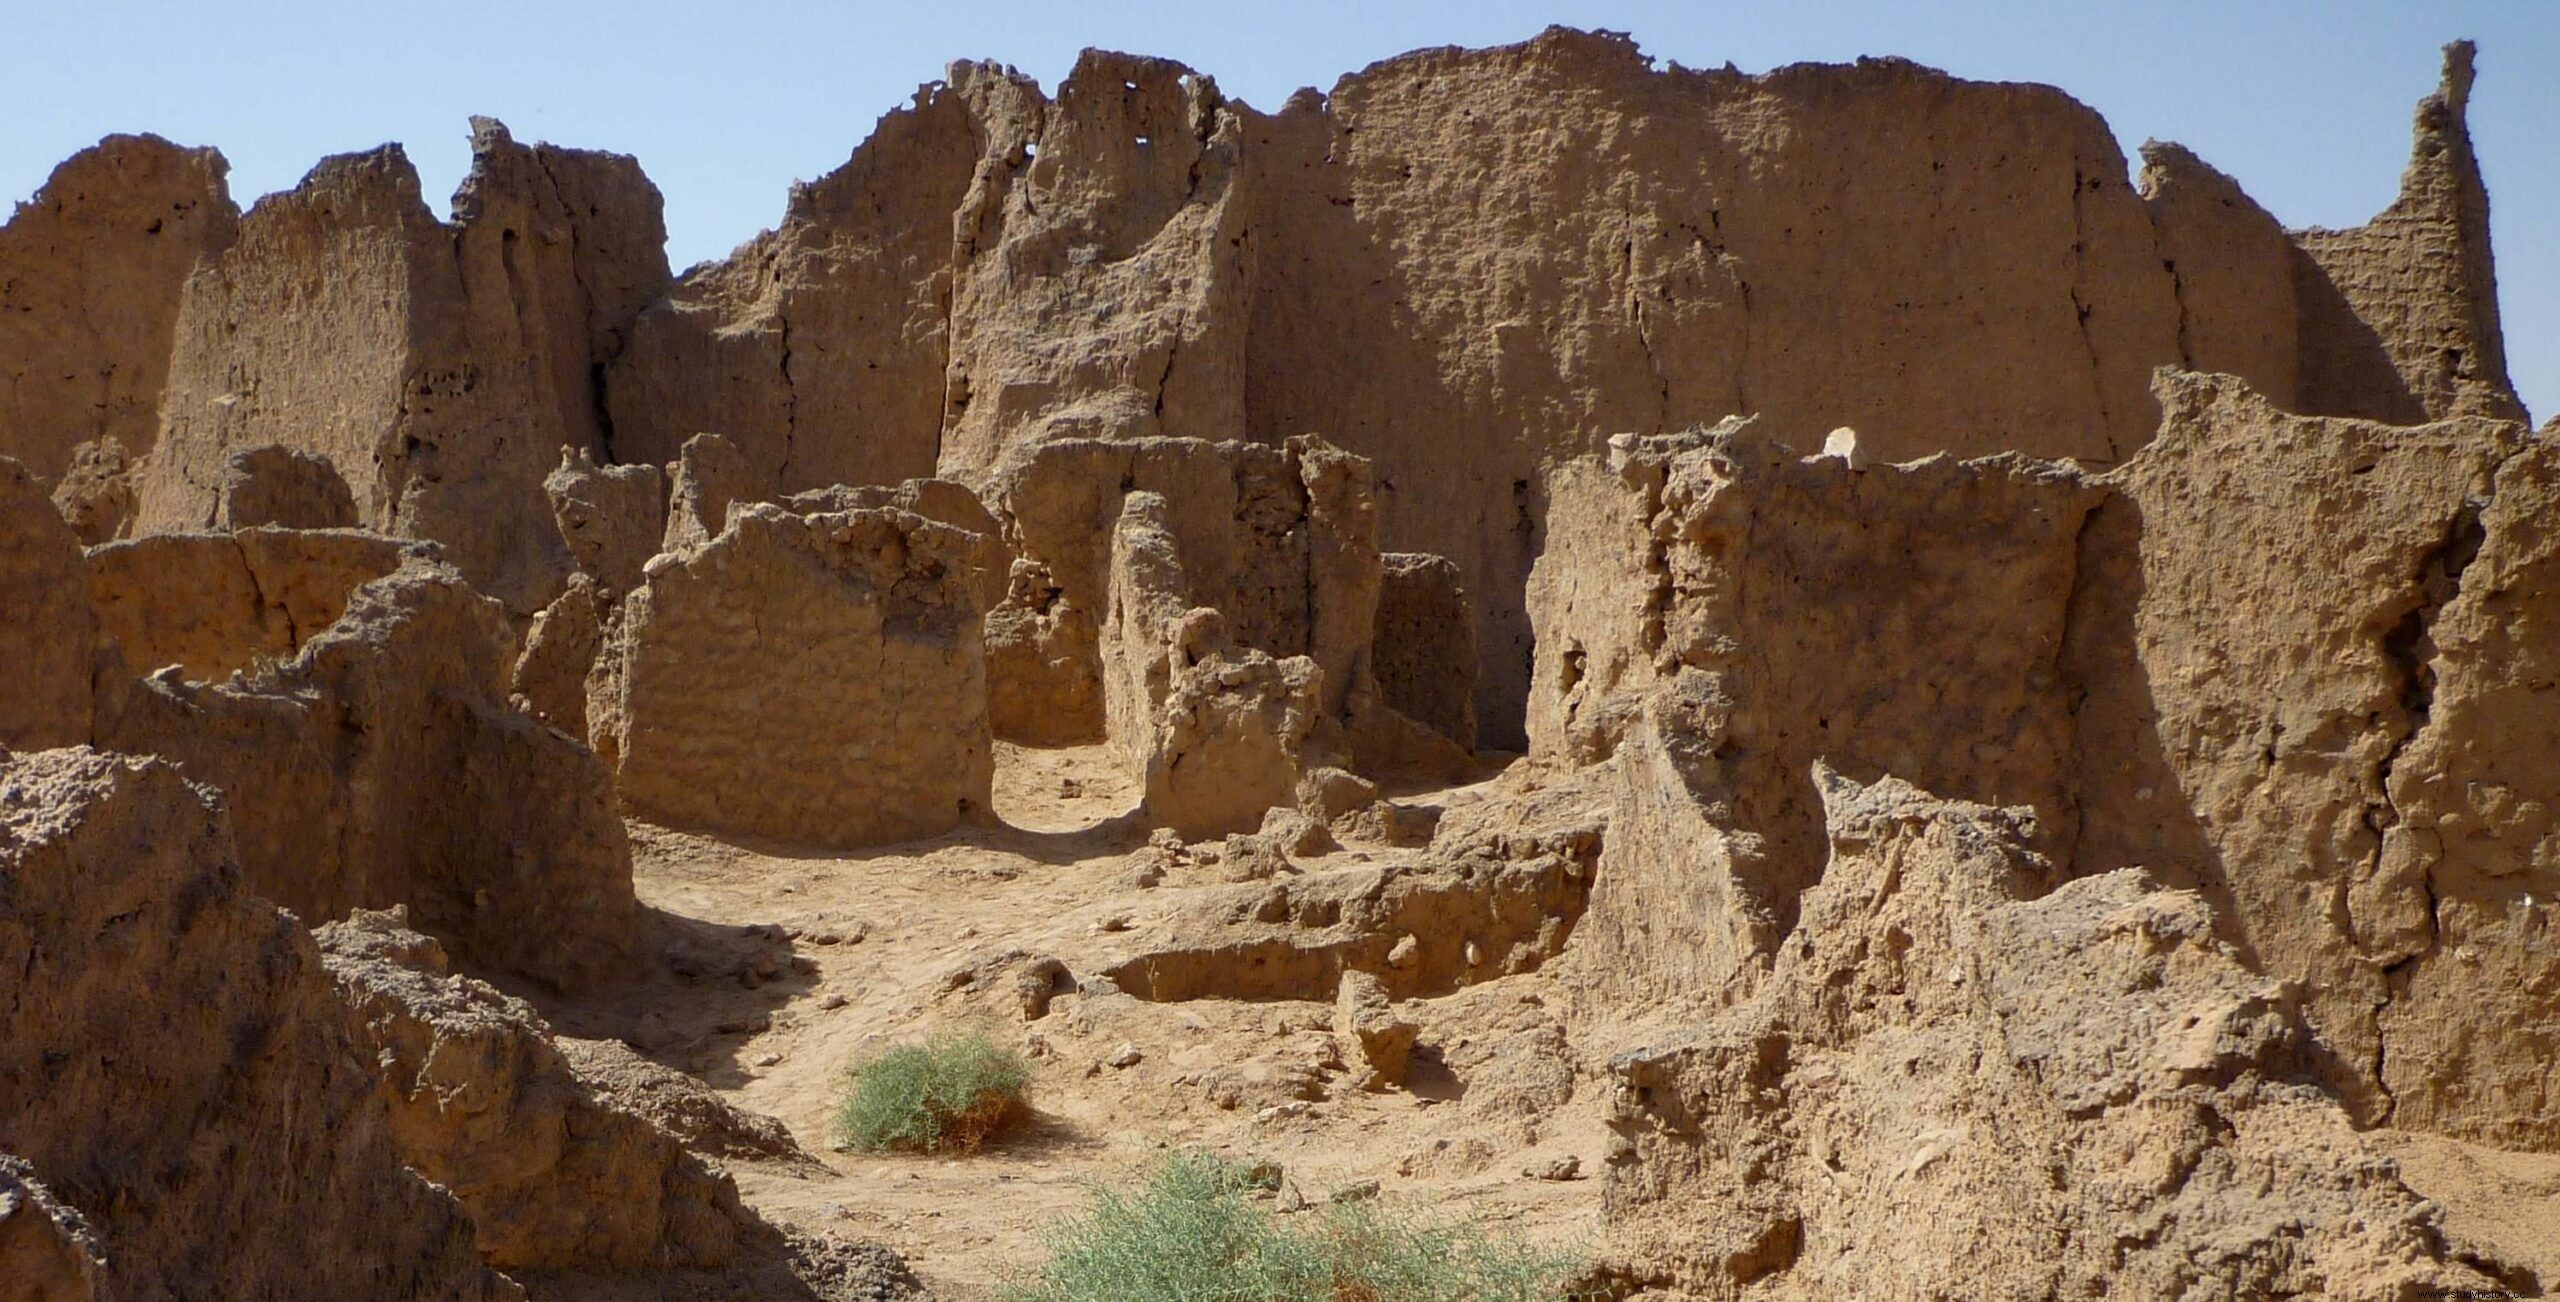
x=91 y=271
x=2400 y=315
x=1466 y=266
x=441 y=368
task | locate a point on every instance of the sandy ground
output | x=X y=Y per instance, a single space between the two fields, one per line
x=784 y=967
x=875 y=948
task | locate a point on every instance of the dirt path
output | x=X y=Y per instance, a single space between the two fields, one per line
x=782 y=968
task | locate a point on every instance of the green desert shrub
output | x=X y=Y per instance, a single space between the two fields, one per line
x=1193 y=1232
x=949 y=1093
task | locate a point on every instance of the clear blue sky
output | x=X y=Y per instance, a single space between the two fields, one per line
x=2307 y=104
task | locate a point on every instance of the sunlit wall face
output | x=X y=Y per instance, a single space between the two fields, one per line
x=2306 y=104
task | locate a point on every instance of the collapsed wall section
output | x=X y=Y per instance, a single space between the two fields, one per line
x=1954 y=1082
x=175 y=1065
x=554 y=1172
x=1281 y=541
x=1732 y=613
x=1219 y=733
x=380 y=764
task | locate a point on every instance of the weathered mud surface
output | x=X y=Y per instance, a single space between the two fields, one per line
x=1791 y=683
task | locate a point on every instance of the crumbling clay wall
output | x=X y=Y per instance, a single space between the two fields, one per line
x=612 y=518
x=810 y=678
x=1219 y=733
x=438 y=368
x=2307 y=648
x=1100 y=290
x=1466 y=266
x=175 y=1065
x=556 y=1175
x=1956 y=1083
x=91 y=271
x=820 y=348
x=215 y=603
x=1758 y=611
x=381 y=765
x=1469 y=265
x=1281 y=541
x=2400 y=315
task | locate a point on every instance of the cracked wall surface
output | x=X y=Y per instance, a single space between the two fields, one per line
x=213 y=604
x=1740 y=613
x=2292 y=663
x=2288 y=666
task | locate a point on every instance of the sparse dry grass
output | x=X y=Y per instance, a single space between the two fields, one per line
x=1195 y=1233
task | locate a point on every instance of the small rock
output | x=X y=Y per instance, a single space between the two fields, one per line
x=1363 y=1015
x=768 y=1060
x=832 y=1002
x=1116 y=922
x=1126 y=1056
x=1567 y=1167
x=1282 y=1112
x=754 y=1024
x=1842 y=445
x=1292 y=832
x=1405 y=952
x=1355 y=1193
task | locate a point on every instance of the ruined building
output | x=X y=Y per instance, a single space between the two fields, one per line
x=1989 y=716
